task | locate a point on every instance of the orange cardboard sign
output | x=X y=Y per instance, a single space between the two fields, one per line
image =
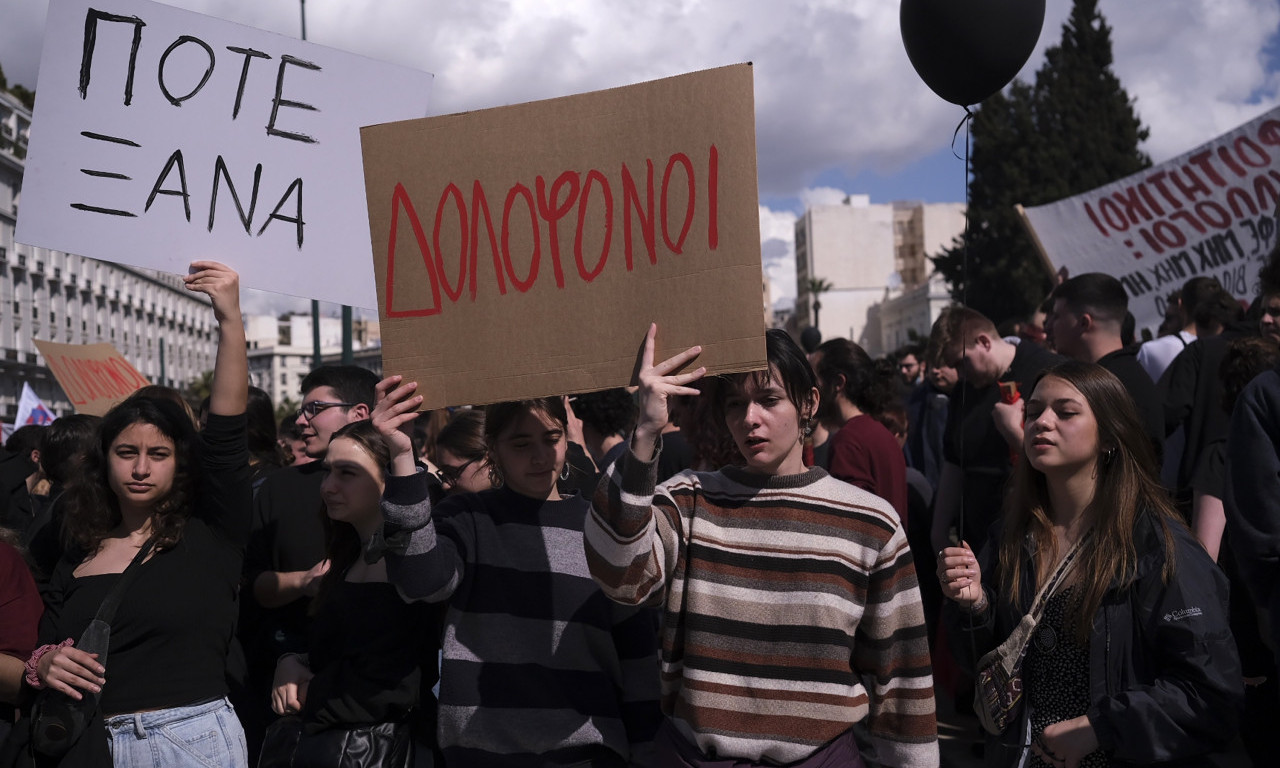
x=94 y=376
x=523 y=251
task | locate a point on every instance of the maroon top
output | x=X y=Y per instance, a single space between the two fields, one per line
x=865 y=454
x=20 y=605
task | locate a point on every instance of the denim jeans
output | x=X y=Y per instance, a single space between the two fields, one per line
x=200 y=736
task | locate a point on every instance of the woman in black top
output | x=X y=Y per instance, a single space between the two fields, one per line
x=371 y=657
x=150 y=476
x=1132 y=661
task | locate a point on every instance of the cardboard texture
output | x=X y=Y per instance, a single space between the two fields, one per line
x=523 y=251
x=94 y=376
x=163 y=136
x=1207 y=212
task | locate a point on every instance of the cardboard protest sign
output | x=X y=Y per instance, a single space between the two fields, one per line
x=94 y=376
x=523 y=251
x=1211 y=211
x=162 y=136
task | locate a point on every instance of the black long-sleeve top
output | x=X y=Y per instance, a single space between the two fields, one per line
x=170 y=635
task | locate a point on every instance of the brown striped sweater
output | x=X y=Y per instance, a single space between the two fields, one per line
x=791 y=609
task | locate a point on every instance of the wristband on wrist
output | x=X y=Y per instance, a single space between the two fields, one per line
x=33 y=664
x=979 y=605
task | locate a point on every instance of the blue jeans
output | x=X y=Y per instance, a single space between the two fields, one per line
x=201 y=736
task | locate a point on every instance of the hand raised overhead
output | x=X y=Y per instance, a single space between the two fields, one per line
x=658 y=383
x=395 y=405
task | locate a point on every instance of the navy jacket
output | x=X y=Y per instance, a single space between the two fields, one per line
x=1165 y=684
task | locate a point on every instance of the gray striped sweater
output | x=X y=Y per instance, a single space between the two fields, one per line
x=539 y=667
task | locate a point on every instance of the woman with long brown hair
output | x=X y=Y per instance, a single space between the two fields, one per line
x=1131 y=662
x=371 y=657
x=155 y=492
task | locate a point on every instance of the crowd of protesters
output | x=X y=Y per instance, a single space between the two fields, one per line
x=772 y=568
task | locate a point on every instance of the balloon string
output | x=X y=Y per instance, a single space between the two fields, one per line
x=967 y=124
x=967 y=117
x=964 y=290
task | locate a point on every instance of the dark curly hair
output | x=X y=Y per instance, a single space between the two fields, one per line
x=92 y=509
x=609 y=411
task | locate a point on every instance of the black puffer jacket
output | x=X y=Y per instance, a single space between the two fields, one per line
x=1165 y=684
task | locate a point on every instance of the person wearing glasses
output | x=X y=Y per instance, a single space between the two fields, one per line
x=286 y=556
x=462 y=459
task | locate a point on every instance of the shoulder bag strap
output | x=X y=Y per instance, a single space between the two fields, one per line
x=1059 y=575
x=107 y=611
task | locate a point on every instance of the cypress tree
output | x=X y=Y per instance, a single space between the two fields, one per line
x=1073 y=131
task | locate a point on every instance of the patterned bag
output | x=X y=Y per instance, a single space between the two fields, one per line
x=997 y=694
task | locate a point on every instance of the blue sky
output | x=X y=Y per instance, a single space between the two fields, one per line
x=839 y=108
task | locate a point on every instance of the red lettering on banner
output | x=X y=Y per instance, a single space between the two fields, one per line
x=1213 y=213
x=551 y=203
x=70 y=382
x=520 y=190
x=1244 y=143
x=631 y=199
x=678 y=246
x=1225 y=154
x=1192 y=186
x=1157 y=179
x=713 y=199
x=479 y=204
x=1188 y=217
x=1151 y=200
x=1234 y=196
x=1201 y=161
x=1093 y=216
x=400 y=199
x=451 y=191
x=1262 y=188
x=1269 y=133
x=554 y=210
x=583 y=272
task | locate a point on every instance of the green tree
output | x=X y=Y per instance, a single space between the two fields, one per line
x=28 y=98
x=1074 y=130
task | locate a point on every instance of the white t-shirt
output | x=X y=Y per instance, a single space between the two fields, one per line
x=1156 y=355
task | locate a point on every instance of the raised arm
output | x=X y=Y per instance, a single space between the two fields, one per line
x=230 y=392
x=629 y=548
x=658 y=384
x=423 y=563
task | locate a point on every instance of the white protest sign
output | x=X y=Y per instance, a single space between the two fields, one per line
x=1208 y=212
x=161 y=136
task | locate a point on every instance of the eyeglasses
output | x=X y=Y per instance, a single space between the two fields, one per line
x=309 y=410
x=451 y=475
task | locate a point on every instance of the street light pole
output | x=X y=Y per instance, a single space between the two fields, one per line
x=316 y=356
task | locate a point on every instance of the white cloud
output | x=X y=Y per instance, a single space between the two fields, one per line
x=834 y=87
x=778 y=250
x=821 y=196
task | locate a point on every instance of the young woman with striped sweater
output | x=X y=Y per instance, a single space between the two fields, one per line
x=792 y=628
x=539 y=667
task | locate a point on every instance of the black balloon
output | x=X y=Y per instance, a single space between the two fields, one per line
x=966 y=50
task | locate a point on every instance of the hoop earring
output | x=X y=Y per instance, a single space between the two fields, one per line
x=495 y=476
x=564 y=473
x=1108 y=456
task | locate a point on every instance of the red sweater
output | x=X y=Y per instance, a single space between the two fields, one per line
x=865 y=454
